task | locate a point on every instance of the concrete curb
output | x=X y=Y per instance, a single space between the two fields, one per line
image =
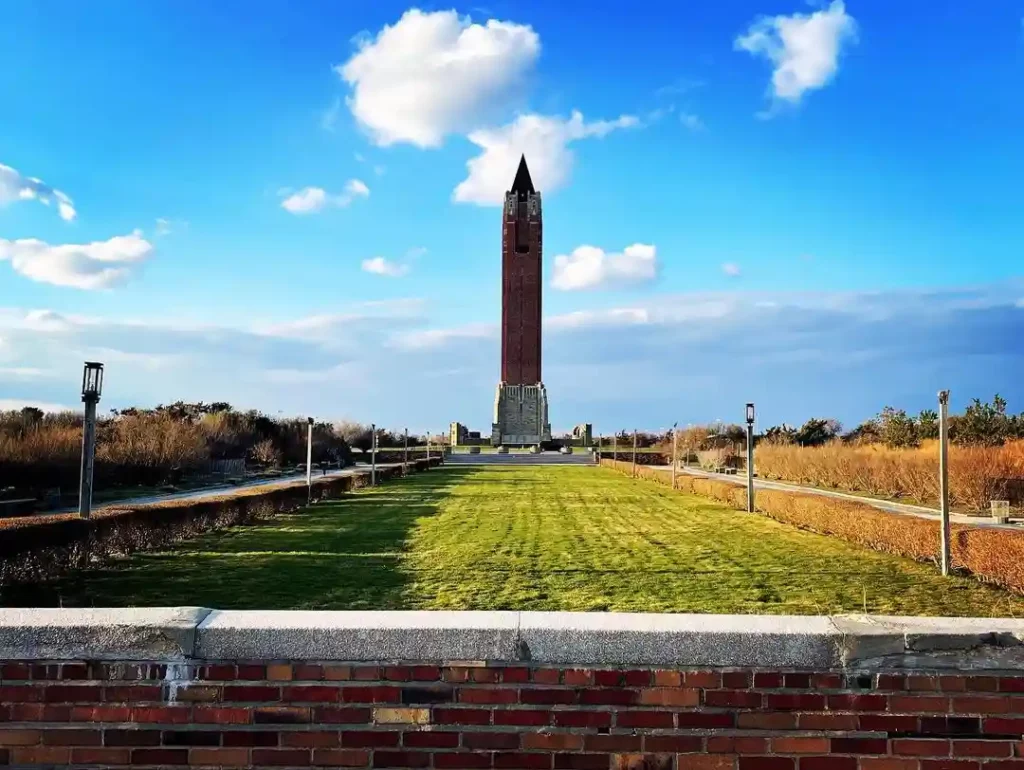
x=585 y=639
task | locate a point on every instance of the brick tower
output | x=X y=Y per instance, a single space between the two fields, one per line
x=521 y=403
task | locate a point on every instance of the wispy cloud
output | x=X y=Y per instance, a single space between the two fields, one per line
x=543 y=139
x=16 y=187
x=797 y=354
x=329 y=118
x=312 y=200
x=691 y=121
x=385 y=267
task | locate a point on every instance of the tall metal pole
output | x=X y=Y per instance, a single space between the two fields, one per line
x=309 y=462
x=88 y=457
x=675 y=453
x=428 y=448
x=750 y=458
x=373 y=455
x=615 y=446
x=634 y=452
x=405 y=455
x=944 y=478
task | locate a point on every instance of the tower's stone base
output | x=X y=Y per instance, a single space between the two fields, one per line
x=520 y=415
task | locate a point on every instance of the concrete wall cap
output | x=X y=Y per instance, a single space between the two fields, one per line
x=359 y=635
x=593 y=639
x=685 y=640
x=153 y=633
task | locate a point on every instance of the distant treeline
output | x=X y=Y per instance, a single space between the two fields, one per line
x=981 y=424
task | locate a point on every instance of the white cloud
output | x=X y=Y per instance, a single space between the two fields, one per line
x=731 y=269
x=588 y=319
x=310 y=200
x=96 y=265
x=432 y=74
x=544 y=140
x=163 y=227
x=15 y=187
x=803 y=48
x=381 y=266
x=589 y=267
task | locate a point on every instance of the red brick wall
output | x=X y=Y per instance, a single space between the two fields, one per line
x=260 y=714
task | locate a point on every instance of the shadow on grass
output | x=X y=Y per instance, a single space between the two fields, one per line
x=344 y=554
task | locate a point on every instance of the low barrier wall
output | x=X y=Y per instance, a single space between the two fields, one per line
x=201 y=688
x=45 y=547
x=992 y=555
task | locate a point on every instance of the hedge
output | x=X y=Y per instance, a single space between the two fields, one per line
x=41 y=548
x=991 y=555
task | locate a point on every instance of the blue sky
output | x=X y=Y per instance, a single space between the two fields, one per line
x=289 y=206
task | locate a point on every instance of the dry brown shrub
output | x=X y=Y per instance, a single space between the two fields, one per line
x=976 y=474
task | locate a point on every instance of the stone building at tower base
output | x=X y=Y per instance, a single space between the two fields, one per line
x=520 y=415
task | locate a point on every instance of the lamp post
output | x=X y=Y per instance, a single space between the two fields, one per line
x=373 y=455
x=675 y=457
x=750 y=458
x=92 y=387
x=309 y=460
x=428 y=449
x=405 y=455
x=634 y=452
x=944 y=477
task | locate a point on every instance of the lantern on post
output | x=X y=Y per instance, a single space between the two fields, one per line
x=750 y=458
x=309 y=460
x=92 y=389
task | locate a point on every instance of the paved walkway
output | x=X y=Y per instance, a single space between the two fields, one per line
x=903 y=509
x=206 y=492
x=518 y=459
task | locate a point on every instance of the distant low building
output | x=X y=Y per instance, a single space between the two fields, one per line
x=583 y=435
x=460 y=435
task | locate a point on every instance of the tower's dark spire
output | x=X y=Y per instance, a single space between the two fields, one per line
x=522 y=183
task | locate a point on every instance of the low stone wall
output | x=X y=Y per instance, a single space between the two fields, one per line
x=45 y=547
x=201 y=688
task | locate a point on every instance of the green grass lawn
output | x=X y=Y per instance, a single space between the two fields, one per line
x=540 y=538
